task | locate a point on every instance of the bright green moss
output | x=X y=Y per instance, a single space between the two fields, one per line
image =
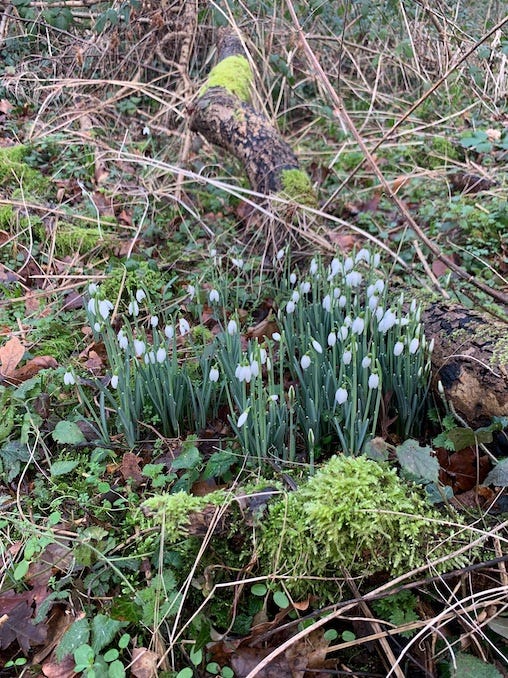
x=234 y=74
x=71 y=238
x=296 y=186
x=14 y=172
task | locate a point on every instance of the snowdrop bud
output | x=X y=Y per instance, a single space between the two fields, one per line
x=347 y=357
x=161 y=355
x=347 y=321
x=305 y=362
x=387 y=322
x=280 y=254
x=146 y=359
x=366 y=362
x=305 y=287
x=412 y=308
x=363 y=255
x=262 y=355
x=191 y=291
x=268 y=364
x=239 y=372
x=169 y=331
x=440 y=387
x=373 y=302
x=151 y=357
x=214 y=374
x=292 y=278
x=133 y=308
x=114 y=381
x=91 y=306
x=68 y=379
x=276 y=336
x=332 y=339
x=274 y=397
x=139 y=347
x=348 y=264
x=213 y=252
x=140 y=295
x=290 y=306
x=213 y=296
x=335 y=267
x=295 y=296
x=370 y=291
x=336 y=292
x=376 y=260
x=123 y=342
x=311 y=438
x=344 y=332
x=413 y=346
x=92 y=289
x=317 y=346
x=431 y=345
x=232 y=327
x=254 y=368
x=327 y=303
x=105 y=306
x=398 y=348
x=353 y=279
x=373 y=381
x=341 y=396
x=313 y=267
x=154 y=321
x=342 y=301
x=183 y=326
x=237 y=262
x=379 y=313
x=97 y=327
x=242 y=419
x=358 y=326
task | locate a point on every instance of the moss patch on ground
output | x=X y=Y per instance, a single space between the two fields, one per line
x=15 y=173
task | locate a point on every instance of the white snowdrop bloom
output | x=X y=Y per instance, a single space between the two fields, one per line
x=93 y=289
x=105 y=306
x=169 y=331
x=237 y=262
x=342 y=301
x=412 y=308
x=413 y=346
x=305 y=362
x=92 y=306
x=280 y=254
x=341 y=396
x=398 y=348
x=68 y=379
x=335 y=266
x=373 y=302
x=317 y=346
x=133 y=308
x=161 y=354
x=140 y=296
x=146 y=131
x=114 y=381
x=327 y=303
x=268 y=364
x=213 y=252
x=370 y=291
x=214 y=374
x=213 y=296
x=154 y=321
x=363 y=255
x=379 y=285
x=183 y=326
x=276 y=336
x=295 y=296
x=290 y=306
x=191 y=291
x=262 y=355
x=431 y=345
x=97 y=327
x=254 y=368
x=232 y=327
x=274 y=397
x=146 y=359
x=380 y=313
x=292 y=278
x=353 y=279
x=239 y=372
x=358 y=326
x=376 y=260
x=347 y=321
x=313 y=267
x=403 y=322
x=336 y=292
x=305 y=287
x=348 y=265
x=332 y=339
x=347 y=356
x=123 y=342
x=242 y=419
x=366 y=362
x=139 y=347
x=344 y=331
x=373 y=381
x=243 y=373
x=388 y=320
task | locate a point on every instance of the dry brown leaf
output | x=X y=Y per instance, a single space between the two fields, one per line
x=32 y=367
x=5 y=106
x=10 y=355
x=144 y=663
x=64 y=669
x=130 y=468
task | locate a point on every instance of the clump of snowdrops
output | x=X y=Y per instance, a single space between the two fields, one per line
x=346 y=349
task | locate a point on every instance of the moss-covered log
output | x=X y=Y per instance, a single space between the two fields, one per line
x=224 y=116
x=471 y=360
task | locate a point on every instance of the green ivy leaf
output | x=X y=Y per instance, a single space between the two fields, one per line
x=189 y=458
x=219 y=464
x=417 y=461
x=104 y=629
x=76 y=635
x=68 y=432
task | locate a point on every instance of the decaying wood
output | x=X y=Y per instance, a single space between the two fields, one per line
x=470 y=359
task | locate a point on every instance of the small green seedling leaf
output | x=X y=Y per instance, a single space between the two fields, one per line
x=213 y=668
x=418 y=461
x=258 y=590
x=281 y=600
x=330 y=635
x=348 y=636
x=84 y=657
x=116 y=670
x=499 y=475
x=20 y=570
x=185 y=673
x=227 y=672
x=196 y=656
x=61 y=468
x=68 y=433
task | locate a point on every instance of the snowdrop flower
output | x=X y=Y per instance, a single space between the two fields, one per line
x=213 y=296
x=97 y=327
x=376 y=260
x=242 y=419
x=133 y=308
x=431 y=345
x=290 y=306
x=347 y=356
x=254 y=368
x=413 y=346
x=139 y=347
x=191 y=291
x=412 y=308
x=341 y=396
x=344 y=332
x=263 y=355
x=93 y=289
x=213 y=252
x=336 y=292
x=388 y=320
x=347 y=321
x=68 y=379
x=313 y=267
x=305 y=287
x=140 y=295
x=363 y=255
x=92 y=306
x=243 y=373
x=370 y=291
x=214 y=374
x=154 y=321
x=327 y=303
x=332 y=339
x=276 y=336
x=398 y=348
x=161 y=354
x=123 y=342
x=295 y=296
x=305 y=362
x=373 y=381
x=379 y=285
x=237 y=262
x=280 y=254
x=353 y=279
x=373 y=302
x=317 y=346
x=335 y=267
x=232 y=327
x=114 y=381
x=342 y=301
x=292 y=278
x=183 y=326
x=358 y=326
x=366 y=362
x=379 y=313
x=274 y=397
x=169 y=331
x=402 y=322
x=348 y=265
